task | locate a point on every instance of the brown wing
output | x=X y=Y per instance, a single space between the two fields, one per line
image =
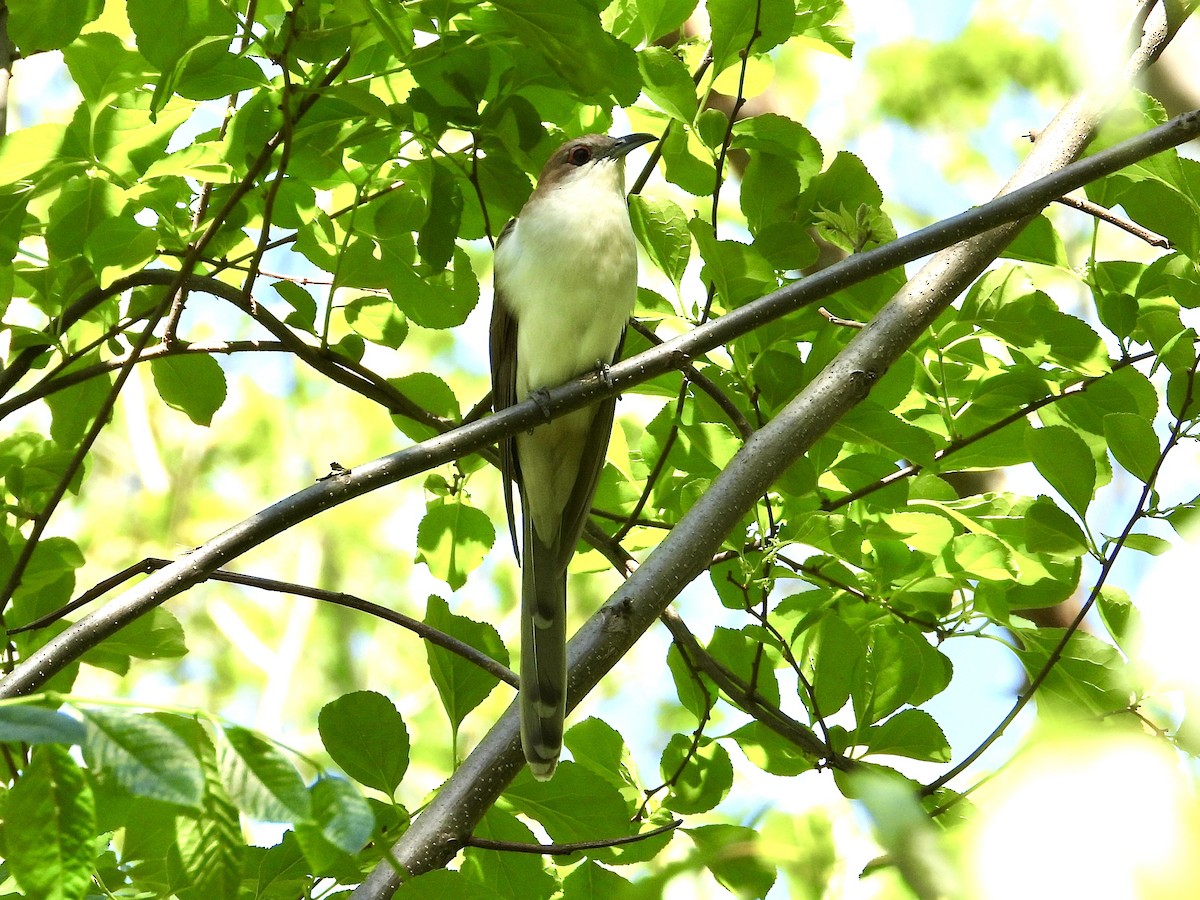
x=503 y=341
x=591 y=464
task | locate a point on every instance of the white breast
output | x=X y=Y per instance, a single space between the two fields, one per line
x=569 y=272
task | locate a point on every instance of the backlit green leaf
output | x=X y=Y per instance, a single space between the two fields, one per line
x=193 y=383
x=366 y=736
x=49 y=818
x=460 y=683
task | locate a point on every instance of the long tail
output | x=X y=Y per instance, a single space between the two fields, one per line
x=543 y=654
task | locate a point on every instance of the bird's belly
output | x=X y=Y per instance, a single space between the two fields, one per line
x=567 y=328
x=571 y=287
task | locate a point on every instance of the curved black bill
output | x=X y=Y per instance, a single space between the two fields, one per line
x=629 y=142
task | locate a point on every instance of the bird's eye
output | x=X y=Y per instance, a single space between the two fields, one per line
x=579 y=155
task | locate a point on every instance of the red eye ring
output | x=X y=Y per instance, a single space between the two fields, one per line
x=579 y=155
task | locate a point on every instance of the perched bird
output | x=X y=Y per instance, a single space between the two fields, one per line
x=565 y=281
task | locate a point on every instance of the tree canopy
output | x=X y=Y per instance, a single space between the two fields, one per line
x=258 y=603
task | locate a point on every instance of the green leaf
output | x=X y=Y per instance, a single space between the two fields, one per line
x=80 y=208
x=1148 y=543
x=698 y=780
x=119 y=247
x=27 y=152
x=784 y=158
x=343 y=818
x=739 y=271
x=598 y=746
x=214 y=73
x=686 y=166
x=912 y=733
x=434 y=301
x=445 y=883
x=732 y=854
x=575 y=803
x=74 y=409
x=1090 y=677
x=905 y=832
x=205 y=860
x=733 y=23
x=1064 y=460
x=38 y=725
x=1038 y=242
x=438 y=233
x=1133 y=444
x=155 y=635
x=512 y=874
x=838 y=654
x=741 y=652
x=39 y=25
x=259 y=780
x=279 y=872
x=983 y=556
x=304 y=314
x=697 y=699
x=1030 y=321
x=770 y=751
x=49 y=818
x=192 y=21
x=432 y=394
x=366 y=736
x=661 y=228
x=569 y=37
x=378 y=320
x=667 y=82
x=102 y=67
x=891 y=674
x=1167 y=208
x=640 y=22
x=592 y=880
x=452 y=540
x=192 y=383
x=144 y=756
x=1119 y=616
x=868 y=423
x=1049 y=529
x=461 y=684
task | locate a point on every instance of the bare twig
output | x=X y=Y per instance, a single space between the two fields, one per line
x=568 y=849
x=337 y=598
x=1106 y=215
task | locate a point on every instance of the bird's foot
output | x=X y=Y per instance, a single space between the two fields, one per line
x=604 y=370
x=541 y=397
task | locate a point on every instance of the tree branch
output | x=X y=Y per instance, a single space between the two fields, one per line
x=337 y=598
x=568 y=849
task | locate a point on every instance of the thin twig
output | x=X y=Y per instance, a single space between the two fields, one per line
x=568 y=849
x=1106 y=215
x=337 y=598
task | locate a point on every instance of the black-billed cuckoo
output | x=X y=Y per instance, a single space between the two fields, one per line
x=565 y=282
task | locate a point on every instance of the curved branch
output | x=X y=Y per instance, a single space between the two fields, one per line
x=747 y=699
x=334 y=366
x=337 y=598
x=568 y=849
